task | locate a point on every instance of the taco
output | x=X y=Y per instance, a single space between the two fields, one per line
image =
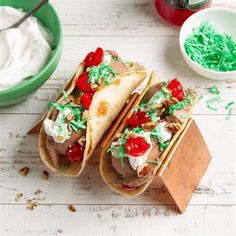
x=77 y=121
x=130 y=160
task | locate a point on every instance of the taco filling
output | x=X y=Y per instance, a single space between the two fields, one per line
x=136 y=151
x=66 y=126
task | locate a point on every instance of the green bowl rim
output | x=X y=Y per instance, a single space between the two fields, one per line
x=57 y=50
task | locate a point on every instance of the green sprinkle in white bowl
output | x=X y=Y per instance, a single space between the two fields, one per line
x=224 y=21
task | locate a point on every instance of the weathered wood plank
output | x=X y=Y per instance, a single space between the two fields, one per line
x=116 y=220
x=18 y=150
x=112 y=19
x=117 y=18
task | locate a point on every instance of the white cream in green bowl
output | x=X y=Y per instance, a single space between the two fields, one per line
x=24 y=50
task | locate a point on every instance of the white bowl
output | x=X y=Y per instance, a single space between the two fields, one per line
x=224 y=21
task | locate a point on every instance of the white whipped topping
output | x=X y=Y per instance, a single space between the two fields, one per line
x=93 y=77
x=161 y=99
x=107 y=58
x=165 y=133
x=158 y=98
x=136 y=161
x=58 y=129
x=23 y=50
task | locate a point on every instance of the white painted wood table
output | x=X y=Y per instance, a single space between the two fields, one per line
x=133 y=29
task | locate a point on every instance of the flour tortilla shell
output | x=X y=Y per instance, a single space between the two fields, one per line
x=105 y=107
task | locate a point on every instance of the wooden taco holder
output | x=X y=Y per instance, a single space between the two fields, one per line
x=183 y=166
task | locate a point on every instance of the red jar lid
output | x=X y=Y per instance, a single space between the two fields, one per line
x=177 y=11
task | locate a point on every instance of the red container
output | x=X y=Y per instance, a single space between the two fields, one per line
x=177 y=11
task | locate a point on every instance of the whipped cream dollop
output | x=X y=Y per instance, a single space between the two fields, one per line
x=165 y=134
x=137 y=161
x=23 y=50
x=58 y=129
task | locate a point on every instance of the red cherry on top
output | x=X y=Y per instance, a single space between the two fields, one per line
x=176 y=89
x=88 y=59
x=94 y=58
x=86 y=100
x=75 y=152
x=136 y=146
x=98 y=56
x=82 y=83
x=137 y=119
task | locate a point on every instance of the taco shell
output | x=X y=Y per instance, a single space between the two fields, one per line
x=106 y=105
x=110 y=176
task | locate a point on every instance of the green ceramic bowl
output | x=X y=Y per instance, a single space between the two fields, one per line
x=49 y=18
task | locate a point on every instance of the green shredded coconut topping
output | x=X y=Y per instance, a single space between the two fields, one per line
x=163 y=146
x=184 y=116
x=230 y=111
x=211 y=108
x=217 y=99
x=214 y=90
x=137 y=130
x=158 y=96
x=78 y=123
x=229 y=105
x=103 y=71
x=63 y=168
x=177 y=106
x=156 y=162
x=201 y=97
x=157 y=135
x=66 y=96
x=61 y=107
x=211 y=49
x=77 y=93
x=120 y=150
x=190 y=98
x=153 y=115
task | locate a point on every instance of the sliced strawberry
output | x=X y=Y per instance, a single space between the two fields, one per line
x=86 y=100
x=136 y=146
x=82 y=83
